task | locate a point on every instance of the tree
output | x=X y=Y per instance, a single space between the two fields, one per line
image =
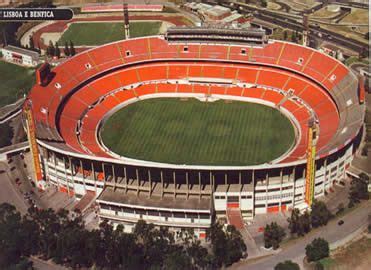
x=294 y=221
x=318 y=249
x=320 y=215
x=304 y=224
x=235 y=245
x=57 y=50
x=287 y=265
x=359 y=189
x=273 y=235
x=6 y=134
x=293 y=36
x=50 y=50
x=176 y=260
x=72 y=49
x=31 y=43
x=17 y=238
x=227 y=246
x=199 y=255
x=66 y=49
x=263 y=3
x=285 y=35
x=65 y=240
x=299 y=223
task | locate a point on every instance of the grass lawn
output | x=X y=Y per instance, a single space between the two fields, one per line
x=354 y=59
x=105 y=32
x=14 y=82
x=193 y=132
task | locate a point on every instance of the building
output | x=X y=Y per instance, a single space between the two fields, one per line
x=302 y=83
x=20 y=56
x=217 y=13
x=214 y=13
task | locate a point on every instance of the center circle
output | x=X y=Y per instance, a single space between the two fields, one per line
x=193 y=132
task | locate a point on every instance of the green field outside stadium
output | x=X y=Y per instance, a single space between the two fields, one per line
x=91 y=34
x=193 y=132
x=15 y=81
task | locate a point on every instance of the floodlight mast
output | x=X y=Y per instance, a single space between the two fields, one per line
x=126 y=20
x=306 y=29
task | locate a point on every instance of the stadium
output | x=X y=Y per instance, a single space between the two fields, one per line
x=197 y=123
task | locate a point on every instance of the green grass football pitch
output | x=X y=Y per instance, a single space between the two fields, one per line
x=104 y=32
x=193 y=132
x=14 y=82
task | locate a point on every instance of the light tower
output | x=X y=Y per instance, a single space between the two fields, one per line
x=126 y=20
x=306 y=29
x=31 y=134
x=311 y=162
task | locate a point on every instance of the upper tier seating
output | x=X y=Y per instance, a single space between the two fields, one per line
x=282 y=66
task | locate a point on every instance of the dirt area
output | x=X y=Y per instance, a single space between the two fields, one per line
x=357 y=16
x=273 y=6
x=300 y=4
x=324 y=13
x=355 y=256
x=53 y=37
x=165 y=26
x=345 y=31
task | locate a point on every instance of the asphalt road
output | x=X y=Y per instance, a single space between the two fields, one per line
x=295 y=250
x=45 y=265
x=8 y=190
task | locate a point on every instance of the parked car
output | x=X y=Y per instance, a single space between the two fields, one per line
x=2 y=171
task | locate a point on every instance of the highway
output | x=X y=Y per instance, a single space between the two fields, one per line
x=295 y=250
x=293 y=22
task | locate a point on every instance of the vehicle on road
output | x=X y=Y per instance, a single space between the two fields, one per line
x=341 y=222
x=18 y=181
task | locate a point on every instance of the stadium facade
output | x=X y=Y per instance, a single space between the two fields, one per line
x=68 y=105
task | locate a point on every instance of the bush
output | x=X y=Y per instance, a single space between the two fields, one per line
x=287 y=265
x=318 y=249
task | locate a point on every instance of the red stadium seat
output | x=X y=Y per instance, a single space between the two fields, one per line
x=264 y=68
x=272 y=96
x=253 y=92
